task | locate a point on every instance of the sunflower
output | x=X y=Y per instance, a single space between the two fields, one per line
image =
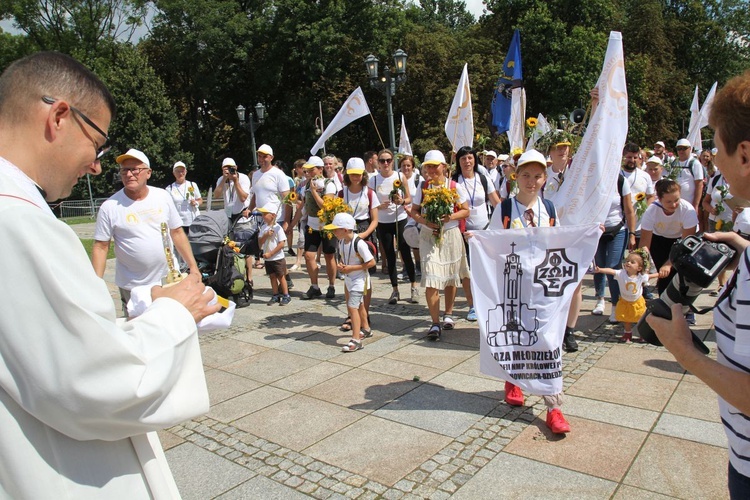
x=640 y=196
x=292 y=196
x=397 y=183
x=531 y=122
x=513 y=176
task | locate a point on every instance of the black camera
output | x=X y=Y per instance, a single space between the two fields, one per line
x=232 y=170
x=698 y=262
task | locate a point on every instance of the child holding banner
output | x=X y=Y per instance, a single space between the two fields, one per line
x=631 y=280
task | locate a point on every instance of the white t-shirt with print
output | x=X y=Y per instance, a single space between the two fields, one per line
x=181 y=195
x=669 y=226
x=273 y=240
x=383 y=187
x=135 y=226
x=631 y=287
x=355 y=281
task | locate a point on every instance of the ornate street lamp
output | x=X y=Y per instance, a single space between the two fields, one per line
x=387 y=84
x=252 y=125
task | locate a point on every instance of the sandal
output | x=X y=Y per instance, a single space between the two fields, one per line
x=346 y=326
x=353 y=345
x=366 y=334
x=258 y=265
x=434 y=332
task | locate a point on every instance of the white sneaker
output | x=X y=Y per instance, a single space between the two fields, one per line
x=294 y=267
x=599 y=308
x=612 y=319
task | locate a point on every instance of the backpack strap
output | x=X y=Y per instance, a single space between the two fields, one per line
x=715 y=180
x=505 y=211
x=550 y=207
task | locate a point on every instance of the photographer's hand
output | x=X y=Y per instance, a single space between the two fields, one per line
x=673 y=333
x=730 y=238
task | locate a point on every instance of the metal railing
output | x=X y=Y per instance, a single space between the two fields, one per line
x=79 y=208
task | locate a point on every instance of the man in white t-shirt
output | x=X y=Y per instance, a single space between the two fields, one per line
x=234 y=187
x=132 y=217
x=688 y=172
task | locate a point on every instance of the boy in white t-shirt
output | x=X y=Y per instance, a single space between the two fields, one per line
x=272 y=239
x=355 y=259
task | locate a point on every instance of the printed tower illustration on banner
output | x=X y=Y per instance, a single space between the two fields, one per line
x=512 y=322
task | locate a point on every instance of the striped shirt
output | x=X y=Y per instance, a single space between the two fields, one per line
x=733 y=342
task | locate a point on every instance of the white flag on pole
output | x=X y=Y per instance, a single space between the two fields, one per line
x=522 y=281
x=355 y=107
x=695 y=111
x=404 y=146
x=517 y=119
x=542 y=127
x=459 y=127
x=694 y=136
x=586 y=194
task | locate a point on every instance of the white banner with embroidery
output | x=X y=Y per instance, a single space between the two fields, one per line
x=523 y=281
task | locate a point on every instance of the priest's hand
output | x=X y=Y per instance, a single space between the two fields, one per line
x=190 y=293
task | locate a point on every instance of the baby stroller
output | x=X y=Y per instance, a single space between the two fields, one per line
x=220 y=254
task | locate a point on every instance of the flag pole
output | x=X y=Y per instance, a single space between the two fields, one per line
x=377 y=131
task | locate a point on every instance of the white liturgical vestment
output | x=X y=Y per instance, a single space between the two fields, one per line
x=80 y=392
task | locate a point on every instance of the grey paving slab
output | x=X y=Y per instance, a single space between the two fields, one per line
x=680 y=468
x=298 y=422
x=611 y=413
x=224 y=385
x=262 y=488
x=694 y=400
x=401 y=369
x=270 y=366
x=631 y=493
x=322 y=346
x=225 y=351
x=488 y=387
x=437 y=409
x=238 y=407
x=200 y=474
x=379 y=449
x=361 y=390
x=512 y=477
x=693 y=429
x=433 y=354
x=311 y=377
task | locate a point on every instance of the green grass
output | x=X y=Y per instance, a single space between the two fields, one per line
x=78 y=220
x=88 y=244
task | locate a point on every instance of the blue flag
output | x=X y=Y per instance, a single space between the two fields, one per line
x=510 y=78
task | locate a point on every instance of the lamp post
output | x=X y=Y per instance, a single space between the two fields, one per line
x=252 y=125
x=387 y=84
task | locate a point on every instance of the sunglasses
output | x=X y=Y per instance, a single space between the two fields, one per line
x=385 y=160
x=682 y=148
x=101 y=150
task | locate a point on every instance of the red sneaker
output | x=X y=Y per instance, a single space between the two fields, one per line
x=556 y=422
x=513 y=394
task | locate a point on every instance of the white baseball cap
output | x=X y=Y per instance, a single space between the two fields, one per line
x=490 y=153
x=228 y=162
x=178 y=165
x=355 y=166
x=341 y=221
x=265 y=149
x=134 y=153
x=655 y=159
x=532 y=156
x=313 y=161
x=659 y=143
x=433 y=157
x=683 y=142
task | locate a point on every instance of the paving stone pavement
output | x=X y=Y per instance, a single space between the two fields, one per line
x=291 y=416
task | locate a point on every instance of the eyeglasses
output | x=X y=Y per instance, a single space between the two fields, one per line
x=135 y=171
x=100 y=150
x=385 y=160
x=682 y=148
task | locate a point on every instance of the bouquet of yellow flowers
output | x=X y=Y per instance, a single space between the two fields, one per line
x=640 y=204
x=438 y=202
x=331 y=207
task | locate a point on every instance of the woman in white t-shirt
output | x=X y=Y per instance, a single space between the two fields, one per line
x=185 y=194
x=413 y=182
x=392 y=221
x=664 y=222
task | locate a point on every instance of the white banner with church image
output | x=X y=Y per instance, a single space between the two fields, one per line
x=523 y=281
